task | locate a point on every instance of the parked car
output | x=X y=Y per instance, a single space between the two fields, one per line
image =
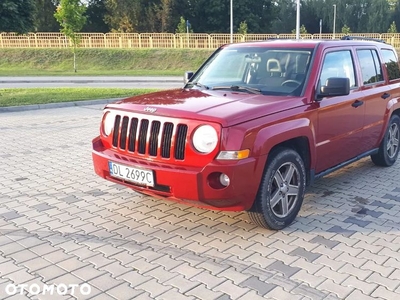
x=256 y=124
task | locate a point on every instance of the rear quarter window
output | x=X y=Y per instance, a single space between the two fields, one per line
x=391 y=62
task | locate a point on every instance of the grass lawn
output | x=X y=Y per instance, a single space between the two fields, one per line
x=96 y=62
x=17 y=96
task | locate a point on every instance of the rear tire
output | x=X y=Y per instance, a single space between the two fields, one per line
x=281 y=190
x=389 y=147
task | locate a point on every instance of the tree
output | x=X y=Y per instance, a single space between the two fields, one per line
x=44 y=16
x=17 y=15
x=163 y=14
x=182 y=27
x=95 y=12
x=284 y=16
x=346 y=29
x=378 y=13
x=392 y=28
x=303 y=30
x=243 y=28
x=70 y=15
x=124 y=15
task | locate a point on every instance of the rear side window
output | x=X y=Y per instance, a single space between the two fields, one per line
x=338 y=64
x=392 y=66
x=371 y=70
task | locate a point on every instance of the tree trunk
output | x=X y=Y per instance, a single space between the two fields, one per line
x=74 y=61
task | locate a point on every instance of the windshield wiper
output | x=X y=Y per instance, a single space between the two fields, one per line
x=238 y=88
x=199 y=85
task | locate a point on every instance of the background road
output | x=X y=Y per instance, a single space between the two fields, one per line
x=93 y=81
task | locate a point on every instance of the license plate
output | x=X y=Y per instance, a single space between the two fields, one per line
x=132 y=174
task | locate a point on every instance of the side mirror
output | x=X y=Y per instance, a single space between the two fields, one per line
x=334 y=86
x=187 y=76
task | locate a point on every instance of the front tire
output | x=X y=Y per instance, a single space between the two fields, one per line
x=389 y=147
x=281 y=190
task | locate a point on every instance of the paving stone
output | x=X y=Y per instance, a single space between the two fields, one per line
x=343 y=231
x=307 y=278
x=104 y=282
x=87 y=273
x=279 y=293
x=389 y=284
x=382 y=204
x=123 y=291
x=251 y=295
x=286 y=283
x=181 y=283
x=259 y=286
x=309 y=267
x=288 y=271
x=231 y=289
x=208 y=279
x=10 y=215
x=42 y=207
x=202 y=292
x=384 y=293
x=153 y=288
x=357 y=295
x=308 y=255
x=323 y=241
x=173 y=294
x=309 y=292
x=341 y=291
x=366 y=288
x=224 y=297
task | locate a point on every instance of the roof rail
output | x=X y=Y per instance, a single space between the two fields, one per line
x=349 y=37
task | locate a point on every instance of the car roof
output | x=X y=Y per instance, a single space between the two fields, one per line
x=308 y=43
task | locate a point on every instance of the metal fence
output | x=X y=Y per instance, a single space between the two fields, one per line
x=160 y=40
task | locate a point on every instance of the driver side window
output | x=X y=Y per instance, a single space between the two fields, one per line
x=338 y=64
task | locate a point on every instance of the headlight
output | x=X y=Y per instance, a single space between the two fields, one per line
x=205 y=139
x=108 y=123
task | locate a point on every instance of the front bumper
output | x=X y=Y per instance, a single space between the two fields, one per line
x=188 y=184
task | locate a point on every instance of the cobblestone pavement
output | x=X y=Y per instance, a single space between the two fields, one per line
x=61 y=225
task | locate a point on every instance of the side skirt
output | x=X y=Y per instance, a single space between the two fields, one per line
x=314 y=176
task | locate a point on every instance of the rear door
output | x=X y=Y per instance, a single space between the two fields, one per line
x=340 y=118
x=376 y=96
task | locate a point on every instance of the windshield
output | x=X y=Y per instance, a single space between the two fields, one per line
x=270 y=71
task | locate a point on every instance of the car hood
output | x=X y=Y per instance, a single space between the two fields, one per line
x=221 y=106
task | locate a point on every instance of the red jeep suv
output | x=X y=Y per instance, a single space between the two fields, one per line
x=256 y=124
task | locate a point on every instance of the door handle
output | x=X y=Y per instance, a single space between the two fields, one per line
x=385 y=95
x=357 y=103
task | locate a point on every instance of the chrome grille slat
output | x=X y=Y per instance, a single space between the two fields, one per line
x=151 y=137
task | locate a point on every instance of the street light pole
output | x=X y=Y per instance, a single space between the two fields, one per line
x=334 y=20
x=298 y=20
x=231 y=21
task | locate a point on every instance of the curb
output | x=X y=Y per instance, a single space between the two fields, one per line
x=56 y=105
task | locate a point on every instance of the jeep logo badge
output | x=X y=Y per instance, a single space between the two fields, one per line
x=150 y=109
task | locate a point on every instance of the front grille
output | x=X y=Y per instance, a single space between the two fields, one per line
x=153 y=138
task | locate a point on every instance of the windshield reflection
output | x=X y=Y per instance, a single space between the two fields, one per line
x=272 y=71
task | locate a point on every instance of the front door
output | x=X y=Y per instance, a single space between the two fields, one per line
x=340 y=118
